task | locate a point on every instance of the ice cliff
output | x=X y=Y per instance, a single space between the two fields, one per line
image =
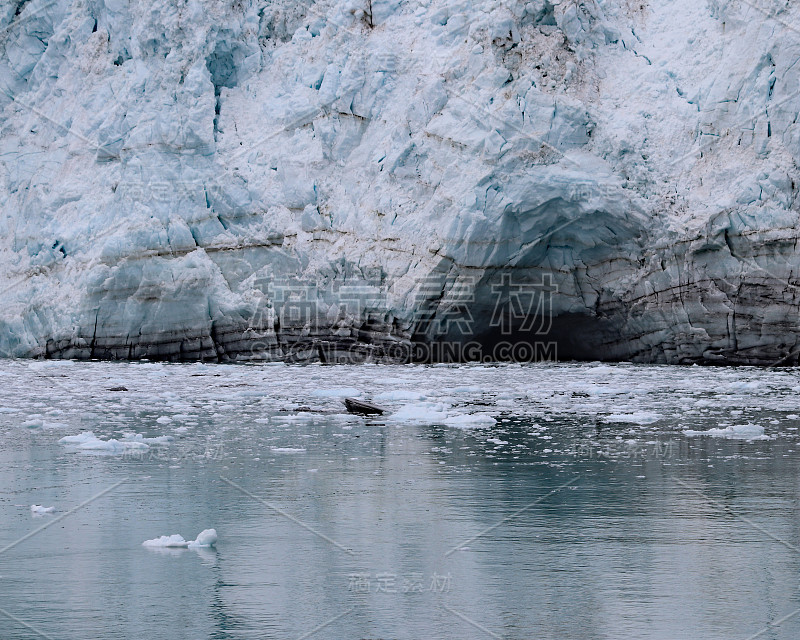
x=239 y=179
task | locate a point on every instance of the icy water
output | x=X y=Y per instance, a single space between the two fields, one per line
x=543 y=501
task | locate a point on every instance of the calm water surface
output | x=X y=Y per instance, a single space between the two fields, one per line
x=583 y=510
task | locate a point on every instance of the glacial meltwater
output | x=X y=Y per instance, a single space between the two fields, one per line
x=549 y=501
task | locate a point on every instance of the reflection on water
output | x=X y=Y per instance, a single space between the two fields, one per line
x=584 y=513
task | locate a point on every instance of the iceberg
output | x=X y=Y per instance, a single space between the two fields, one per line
x=440 y=413
x=205 y=539
x=733 y=432
x=470 y=421
x=38 y=510
x=130 y=443
x=636 y=417
x=445 y=180
x=173 y=541
x=420 y=413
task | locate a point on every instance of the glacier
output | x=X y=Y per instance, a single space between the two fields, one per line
x=239 y=180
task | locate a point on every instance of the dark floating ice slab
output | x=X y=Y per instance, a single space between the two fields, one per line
x=363 y=408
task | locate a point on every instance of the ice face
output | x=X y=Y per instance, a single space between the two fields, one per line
x=308 y=180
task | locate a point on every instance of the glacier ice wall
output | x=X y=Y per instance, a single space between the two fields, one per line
x=238 y=179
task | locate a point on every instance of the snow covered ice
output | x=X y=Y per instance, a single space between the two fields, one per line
x=218 y=172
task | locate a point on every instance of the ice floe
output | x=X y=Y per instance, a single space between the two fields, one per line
x=421 y=413
x=637 y=417
x=88 y=441
x=440 y=413
x=734 y=432
x=470 y=421
x=205 y=539
x=38 y=510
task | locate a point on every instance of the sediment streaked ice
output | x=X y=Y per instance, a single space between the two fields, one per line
x=298 y=181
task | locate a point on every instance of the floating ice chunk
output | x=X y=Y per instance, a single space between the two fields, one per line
x=87 y=441
x=175 y=540
x=422 y=413
x=205 y=539
x=743 y=385
x=601 y=370
x=735 y=432
x=84 y=436
x=637 y=417
x=36 y=421
x=337 y=392
x=164 y=420
x=299 y=417
x=112 y=446
x=287 y=450
x=138 y=437
x=471 y=421
x=37 y=509
x=400 y=394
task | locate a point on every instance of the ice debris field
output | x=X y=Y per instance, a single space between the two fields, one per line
x=174 y=414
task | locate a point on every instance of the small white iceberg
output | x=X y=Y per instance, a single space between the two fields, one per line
x=83 y=436
x=176 y=541
x=38 y=510
x=205 y=539
x=87 y=441
x=636 y=417
x=470 y=421
x=421 y=413
x=734 y=432
x=138 y=437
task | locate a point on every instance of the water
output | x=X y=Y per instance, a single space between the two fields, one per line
x=584 y=512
